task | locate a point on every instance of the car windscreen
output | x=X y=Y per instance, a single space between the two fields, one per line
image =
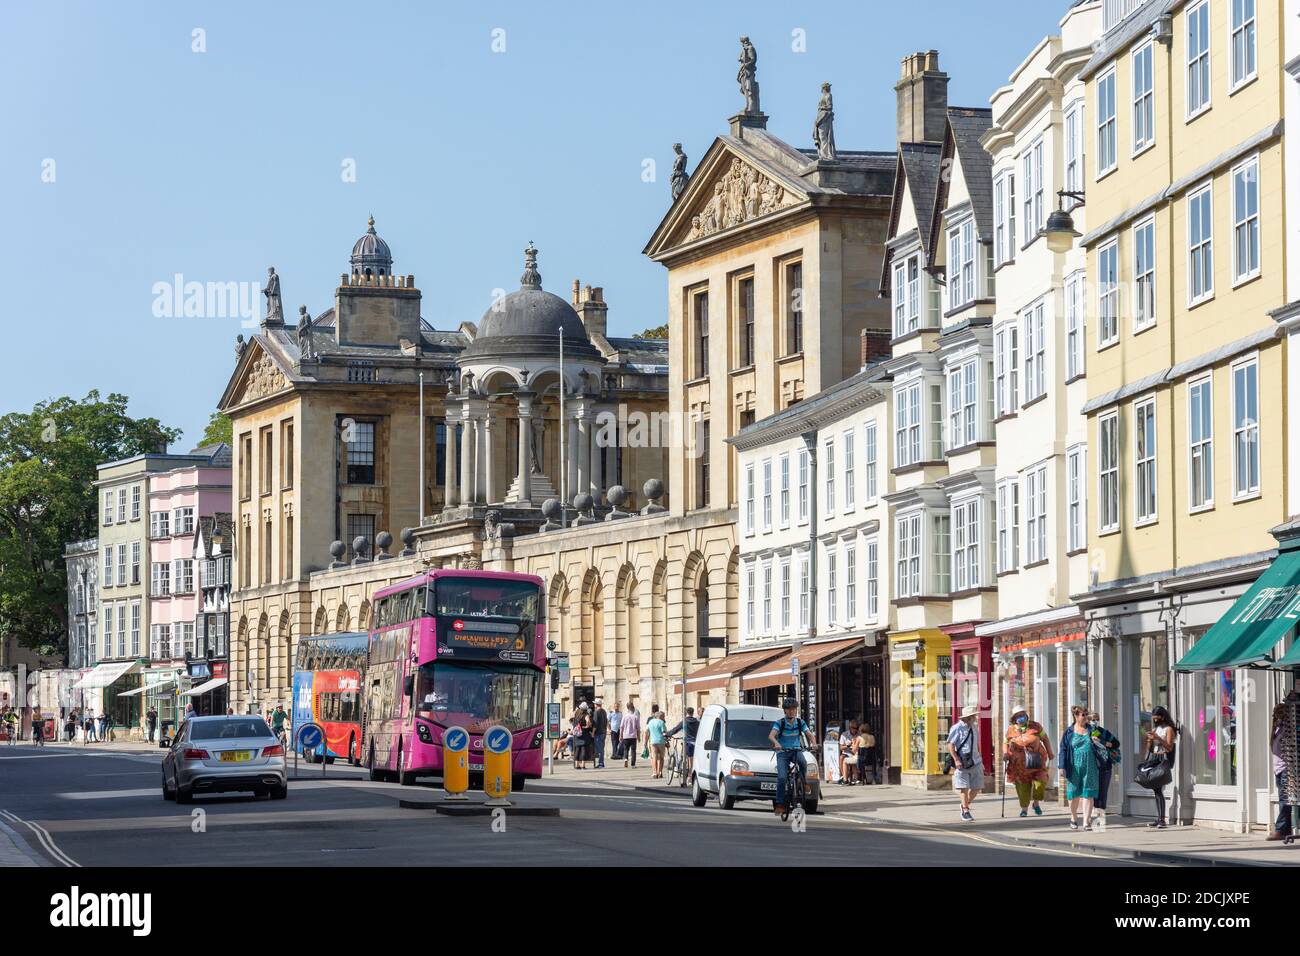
x=749 y=734
x=230 y=729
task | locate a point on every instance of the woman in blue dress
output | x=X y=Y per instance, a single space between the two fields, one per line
x=1079 y=768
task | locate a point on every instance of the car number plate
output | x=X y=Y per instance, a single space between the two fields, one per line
x=768 y=786
x=235 y=756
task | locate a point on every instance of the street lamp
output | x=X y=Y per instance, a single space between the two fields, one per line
x=1060 y=231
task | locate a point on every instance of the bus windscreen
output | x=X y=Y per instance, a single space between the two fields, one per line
x=484 y=597
x=478 y=697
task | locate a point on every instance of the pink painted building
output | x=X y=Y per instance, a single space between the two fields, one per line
x=177 y=500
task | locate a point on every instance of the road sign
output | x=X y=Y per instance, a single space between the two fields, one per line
x=552 y=720
x=561 y=664
x=455 y=762
x=551 y=645
x=497 y=773
x=310 y=736
x=794 y=667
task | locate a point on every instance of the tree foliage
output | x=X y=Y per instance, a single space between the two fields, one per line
x=219 y=430
x=48 y=463
x=658 y=332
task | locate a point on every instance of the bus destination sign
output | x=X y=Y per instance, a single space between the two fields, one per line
x=466 y=639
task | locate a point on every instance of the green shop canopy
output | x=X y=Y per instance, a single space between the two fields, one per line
x=1246 y=635
x=1291 y=659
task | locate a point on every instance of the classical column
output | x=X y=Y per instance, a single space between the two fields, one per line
x=596 y=473
x=450 y=475
x=525 y=471
x=584 y=455
x=571 y=453
x=467 y=453
x=489 y=491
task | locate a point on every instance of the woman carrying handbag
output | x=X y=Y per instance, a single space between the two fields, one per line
x=1156 y=771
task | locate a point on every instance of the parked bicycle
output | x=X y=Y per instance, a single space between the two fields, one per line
x=677 y=763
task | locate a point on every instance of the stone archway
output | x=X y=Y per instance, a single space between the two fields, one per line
x=284 y=635
x=343 y=619
x=321 y=621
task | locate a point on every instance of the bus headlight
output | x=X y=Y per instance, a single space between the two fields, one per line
x=422 y=731
x=537 y=739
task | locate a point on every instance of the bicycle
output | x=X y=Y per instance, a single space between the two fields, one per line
x=796 y=784
x=677 y=763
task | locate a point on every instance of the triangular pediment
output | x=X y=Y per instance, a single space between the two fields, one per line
x=728 y=191
x=257 y=375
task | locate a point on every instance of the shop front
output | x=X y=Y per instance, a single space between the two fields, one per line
x=99 y=692
x=160 y=690
x=1200 y=648
x=208 y=690
x=972 y=681
x=712 y=683
x=1040 y=663
x=827 y=677
x=922 y=687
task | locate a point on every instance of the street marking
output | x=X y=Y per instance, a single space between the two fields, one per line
x=44 y=837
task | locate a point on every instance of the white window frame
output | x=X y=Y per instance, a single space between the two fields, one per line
x=1035 y=350
x=1200 y=244
x=1035 y=481
x=1107 y=126
x=785 y=489
x=850 y=473
x=1246 y=32
x=1075 y=153
x=1109 y=492
x=750 y=585
x=1008 y=523
x=832 y=596
x=963 y=404
x=107 y=518
x=1108 y=294
x=135 y=502
x=909 y=538
x=785 y=594
x=828 y=466
x=108 y=566
x=805 y=590
x=121 y=506
x=767 y=495
x=909 y=431
x=873 y=579
x=1076 y=326
x=1004 y=217
x=803 y=486
x=870 y=450
x=121 y=566
x=1032 y=178
x=1142 y=67
x=1144 y=274
x=767 y=597
x=1245 y=433
x=749 y=499
x=966 y=537
x=1006 y=368
x=1198 y=61
x=850 y=581
x=1145 y=469
x=1200 y=443
x=1247 y=220
x=1076 y=496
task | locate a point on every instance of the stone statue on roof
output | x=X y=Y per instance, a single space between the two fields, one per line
x=748 y=75
x=680 y=177
x=240 y=345
x=824 y=126
x=306 y=348
x=274 y=308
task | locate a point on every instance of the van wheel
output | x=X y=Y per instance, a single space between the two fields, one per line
x=698 y=796
x=725 y=800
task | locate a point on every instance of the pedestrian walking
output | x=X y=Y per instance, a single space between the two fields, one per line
x=599 y=731
x=90 y=726
x=151 y=722
x=1106 y=749
x=1157 y=768
x=70 y=725
x=103 y=726
x=1078 y=768
x=967 y=762
x=38 y=730
x=11 y=722
x=1027 y=753
x=656 y=738
x=629 y=733
x=615 y=725
x=581 y=736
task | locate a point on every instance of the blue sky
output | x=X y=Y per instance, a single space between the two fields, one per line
x=217 y=164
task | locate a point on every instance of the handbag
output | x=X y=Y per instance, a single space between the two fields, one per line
x=1034 y=759
x=645 y=752
x=1154 y=772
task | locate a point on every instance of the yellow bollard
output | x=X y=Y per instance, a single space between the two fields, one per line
x=497 y=771
x=455 y=762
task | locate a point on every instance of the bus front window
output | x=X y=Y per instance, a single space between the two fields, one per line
x=485 y=597
x=478 y=697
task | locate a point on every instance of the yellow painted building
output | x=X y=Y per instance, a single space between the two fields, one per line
x=1186 y=373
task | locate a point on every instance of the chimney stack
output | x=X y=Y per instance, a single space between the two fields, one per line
x=874 y=346
x=590 y=305
x=922 y=92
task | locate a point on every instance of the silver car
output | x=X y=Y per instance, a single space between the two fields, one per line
x=223 y=754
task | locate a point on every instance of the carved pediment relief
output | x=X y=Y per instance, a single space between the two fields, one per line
x=739 y=194
x=263 y=379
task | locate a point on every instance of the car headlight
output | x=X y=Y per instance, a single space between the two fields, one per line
x=740 y=768
x=812 y=771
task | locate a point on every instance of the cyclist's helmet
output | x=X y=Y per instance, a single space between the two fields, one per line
x=789 y=703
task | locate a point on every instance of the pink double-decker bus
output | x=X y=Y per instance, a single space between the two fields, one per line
x=454 y=648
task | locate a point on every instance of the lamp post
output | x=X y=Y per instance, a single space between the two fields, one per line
x=1059 y=230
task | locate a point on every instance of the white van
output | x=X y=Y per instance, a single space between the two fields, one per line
x=735 y=760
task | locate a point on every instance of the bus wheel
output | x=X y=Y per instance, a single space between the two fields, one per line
x=517 y=783
x=375 y=773
x=404 y=777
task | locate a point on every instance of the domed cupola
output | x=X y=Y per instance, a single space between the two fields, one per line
x=527 y=322
x=371 y=255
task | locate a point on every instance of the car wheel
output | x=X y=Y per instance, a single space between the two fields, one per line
x=167 y=794
x=725 y=800
x=184 y=794
x=376 y=774
x=280 y=792
x=698 y=796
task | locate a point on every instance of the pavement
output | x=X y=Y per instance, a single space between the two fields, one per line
x=100 y=805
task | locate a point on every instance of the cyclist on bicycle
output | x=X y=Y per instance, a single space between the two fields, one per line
x=788 y=736
x=278 y=718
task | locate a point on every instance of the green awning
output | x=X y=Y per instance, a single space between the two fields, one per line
x=1246 y=635
x=1291 y=659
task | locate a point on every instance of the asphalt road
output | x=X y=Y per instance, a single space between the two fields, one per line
x=94 y=806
